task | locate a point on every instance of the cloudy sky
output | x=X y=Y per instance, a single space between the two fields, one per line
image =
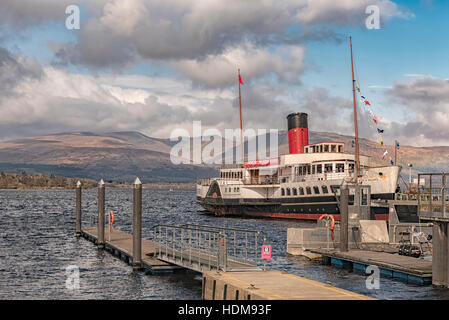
x=156 y=65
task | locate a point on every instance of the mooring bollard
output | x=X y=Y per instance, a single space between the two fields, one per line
x=137 y=225
x=101 y=201
x=344 y=217
x=78 y=209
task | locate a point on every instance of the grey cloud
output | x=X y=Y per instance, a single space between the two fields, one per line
x=426 y=103
x=177 y=30
x=14 y=69
x=21 y=14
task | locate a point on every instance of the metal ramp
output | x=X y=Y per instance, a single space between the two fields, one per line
x=203 y=248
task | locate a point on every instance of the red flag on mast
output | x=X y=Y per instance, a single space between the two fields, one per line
x=240 y=79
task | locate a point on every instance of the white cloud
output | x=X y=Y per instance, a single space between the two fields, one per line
x=221 y=70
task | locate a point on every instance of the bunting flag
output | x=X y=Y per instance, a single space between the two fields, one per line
x=367 y=104
x=397 y=145
x=391 y=162
x=240 y=79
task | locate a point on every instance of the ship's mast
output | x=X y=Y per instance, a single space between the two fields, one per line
x=357 y=167
x=241 y=123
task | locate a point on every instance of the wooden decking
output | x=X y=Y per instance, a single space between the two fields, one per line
x=408 y=269
x=120 y=244
x=269 y=285
x=220 y=285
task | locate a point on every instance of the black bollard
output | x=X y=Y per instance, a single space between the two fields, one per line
x=101 y=201
x=137 y=225
x=344 y=217
x=78 y=209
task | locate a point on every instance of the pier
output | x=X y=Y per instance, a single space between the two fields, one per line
x=227 y=258
x=433 y=206
x=393 y=266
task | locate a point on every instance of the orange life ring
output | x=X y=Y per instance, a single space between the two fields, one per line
x=331 y=217
x=111 y=213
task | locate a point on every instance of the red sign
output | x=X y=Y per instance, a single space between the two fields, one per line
x=262 y=163
x=266 y=252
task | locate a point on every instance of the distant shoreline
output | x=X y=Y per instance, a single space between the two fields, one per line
x=23 y=181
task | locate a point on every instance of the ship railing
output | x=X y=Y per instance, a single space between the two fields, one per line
x=315 y=177
x=406 y=196
x=204 y=181
x=261 y=180
x=232 y=166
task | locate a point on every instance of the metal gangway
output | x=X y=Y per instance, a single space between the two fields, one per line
x=203 y=248
x=433 y=196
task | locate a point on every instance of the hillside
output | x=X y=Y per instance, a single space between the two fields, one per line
x=121 y=156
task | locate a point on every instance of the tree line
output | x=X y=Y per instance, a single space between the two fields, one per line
x=41 y=181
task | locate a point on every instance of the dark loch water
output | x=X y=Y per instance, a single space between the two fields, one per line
x=38 y=243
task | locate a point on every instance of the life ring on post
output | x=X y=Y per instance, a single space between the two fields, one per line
x=328 y=216
x=332 y=226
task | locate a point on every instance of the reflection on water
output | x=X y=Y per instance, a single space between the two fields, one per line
x=38 y=243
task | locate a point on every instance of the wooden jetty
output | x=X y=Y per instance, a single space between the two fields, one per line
x=120 y=245
x=269 y=285
x=220 y=285
x=202 y=249
x=404 y=268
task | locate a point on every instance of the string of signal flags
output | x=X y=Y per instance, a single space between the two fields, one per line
x=365 y=102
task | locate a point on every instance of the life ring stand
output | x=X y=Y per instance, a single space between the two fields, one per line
x=332 y=226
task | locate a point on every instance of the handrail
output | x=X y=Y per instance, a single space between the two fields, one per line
x=190 y=244
x=221 y=228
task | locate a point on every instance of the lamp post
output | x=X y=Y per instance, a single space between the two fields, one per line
x=410 y=176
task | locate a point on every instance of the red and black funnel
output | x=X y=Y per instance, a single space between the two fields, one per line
x=298 y=132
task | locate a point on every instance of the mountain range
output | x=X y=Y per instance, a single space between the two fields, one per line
x=122 y=156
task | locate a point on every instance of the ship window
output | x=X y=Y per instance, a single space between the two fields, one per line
x=321 y=148
x=301 y=191
x=316 y=190
x=313 y=169
x=333 y=148
x=308 y=169
x=328 y=167
x=288 y=191
x=295 y=191
x=326 y=148
x=340 y=167
x=325 y=190
x=340 y=149
x=282 y=192
x=319 y=168
x=351 y=167
x=308 y=190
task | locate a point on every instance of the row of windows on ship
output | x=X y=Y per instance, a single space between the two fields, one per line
x=300 y=170
x=305 y=169
x=231 y=174
x=303 y=191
